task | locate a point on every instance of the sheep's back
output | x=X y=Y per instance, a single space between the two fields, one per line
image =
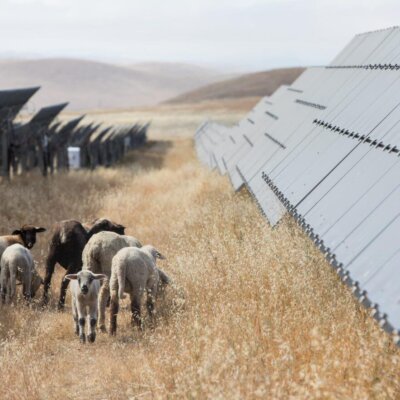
x=18 y=256
x=139 y=267
x=101 y=248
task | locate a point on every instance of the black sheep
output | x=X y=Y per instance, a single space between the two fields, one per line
x=66 y=247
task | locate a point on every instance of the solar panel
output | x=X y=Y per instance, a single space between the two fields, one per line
x=47 y=114
x=11 y=101
x=327 y=150
x=73 y=123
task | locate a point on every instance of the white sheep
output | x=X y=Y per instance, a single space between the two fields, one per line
x=16 y=264
x=85 y=288
x=102 y=247
x=25 y=236
x=134 y=271
x=97 y=257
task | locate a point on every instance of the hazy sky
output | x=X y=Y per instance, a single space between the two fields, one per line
x=235 y=34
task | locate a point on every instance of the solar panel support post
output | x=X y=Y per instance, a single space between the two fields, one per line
x=4 y=132
x=41 y=151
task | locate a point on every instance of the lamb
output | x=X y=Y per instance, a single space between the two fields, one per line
x=66 y=246
x=17 y=264
x=134 y=271
x=25 y=236
x=97 y=257
x=85 y=288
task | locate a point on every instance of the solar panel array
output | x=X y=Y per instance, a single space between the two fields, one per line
x=43 y=142
x=326 y=149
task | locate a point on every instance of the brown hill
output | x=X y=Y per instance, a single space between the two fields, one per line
x=249 y=85
x=96 y=85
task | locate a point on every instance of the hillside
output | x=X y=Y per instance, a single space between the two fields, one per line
x=184 y=76
x=249 y=85
x=96 y=85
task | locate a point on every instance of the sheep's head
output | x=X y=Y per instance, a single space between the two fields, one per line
x=28 y=234
x=154 y=252
x=103 y=224
x=85 y=279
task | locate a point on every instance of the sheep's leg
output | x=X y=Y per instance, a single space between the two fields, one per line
x=12 y=283
x=114 y=308
x=27 y=284
x=104 y=295
x=150 y=303
x=3 y=292
x=3 y=285
x=135 y=308
x=63 y=292
x=50 y=265
x=75 y=315
x=81 y=321
x=8 y=296
x=93 y=321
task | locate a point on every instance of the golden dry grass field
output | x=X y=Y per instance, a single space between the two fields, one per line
x=254 y=312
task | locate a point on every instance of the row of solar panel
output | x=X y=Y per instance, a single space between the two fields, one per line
x=44 y=144
x=326 y=149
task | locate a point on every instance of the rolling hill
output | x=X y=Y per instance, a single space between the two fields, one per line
x=96 y=85
x=250 y=85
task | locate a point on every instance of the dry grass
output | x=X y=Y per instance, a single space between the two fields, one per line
x=177 y=120
x=254 y=312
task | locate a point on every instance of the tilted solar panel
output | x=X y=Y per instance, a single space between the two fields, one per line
x=331 y=158
x=47 y=114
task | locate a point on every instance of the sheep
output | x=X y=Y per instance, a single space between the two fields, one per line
x=66 y=246
x=25 y=236
x=85 y=288
x=134 y=271
x=17 y=264
x=97 y=257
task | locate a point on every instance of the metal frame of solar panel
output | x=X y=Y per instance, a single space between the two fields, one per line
x=39 y=125
x=332 y=160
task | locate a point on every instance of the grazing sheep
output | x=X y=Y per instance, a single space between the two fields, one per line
x=66 y=246
x=97 y=257
x=26 y=236
x=134 y=271
x=85 y=288
x=16 y=263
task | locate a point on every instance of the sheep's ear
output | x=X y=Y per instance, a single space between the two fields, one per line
x=39 y=229
x=160 y=256
x=17 y=232
x=71 y=277
x=99 y=276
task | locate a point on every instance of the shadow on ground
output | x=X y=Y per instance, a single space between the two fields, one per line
x=151 y=155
